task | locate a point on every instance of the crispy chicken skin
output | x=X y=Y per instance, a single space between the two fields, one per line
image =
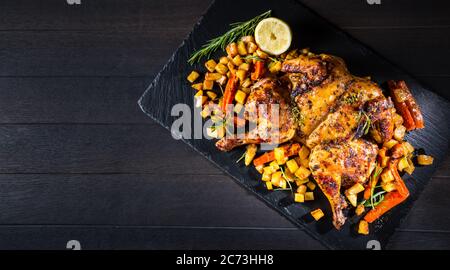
x=270 y=128
x=314 y=100
x=381 y=112
x=333 y=109
x=341 y=164
x=344 y=120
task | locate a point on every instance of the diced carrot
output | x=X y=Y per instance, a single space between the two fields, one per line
x=291 y=150
x=259 y=70
x=229 y=92
x=264 y=158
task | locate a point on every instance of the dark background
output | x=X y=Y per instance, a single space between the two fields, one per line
x=79 y=160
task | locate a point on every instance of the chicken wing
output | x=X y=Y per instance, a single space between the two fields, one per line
x=272 y=114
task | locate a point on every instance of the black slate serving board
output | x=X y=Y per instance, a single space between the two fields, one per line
x=309 y=30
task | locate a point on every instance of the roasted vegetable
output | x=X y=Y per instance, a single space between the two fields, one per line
x=363 y=227
x=360 y=210
x=240 y=97
x=230 y=91
x=250 y=153
x=398 y=151
x=280 y=155
x=406 y=105
x=259 y=70
x=242 y=49
x=317 y=214
x=382 y=157
x=403 y=164
x=211 y=95
x=276 y=178
x=212 y=76
x=399 y=133
x=302 y=173
x=193 y=76
x=311 y=186
x=291 y=150
x=210 y=65
x=237 y=60
x=389 y=144
x=301 y=189
x=221 y=68
x=304 y=152
x=392 y=198
x=299 y=197
x=208 y=85
x=355 y=189
x=309 y=196
x=197 y=86
x=292 y=165
x=241 y=74
x=424 y=160
x=352 y=198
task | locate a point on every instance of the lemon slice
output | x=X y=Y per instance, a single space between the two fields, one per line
x=273 y=36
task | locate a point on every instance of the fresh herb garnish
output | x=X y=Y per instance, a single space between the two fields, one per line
x=377 y=198
x=350 y=99
x=253 y=57
x=287 y=180
x=257 y=58
x=367 y=121
x=238 y=30
x=243 y=155
x=275 y=59
x=296 y=113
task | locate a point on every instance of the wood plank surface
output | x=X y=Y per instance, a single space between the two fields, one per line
x=79 y=160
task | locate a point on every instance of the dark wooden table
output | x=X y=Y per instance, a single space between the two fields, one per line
x=80 y=161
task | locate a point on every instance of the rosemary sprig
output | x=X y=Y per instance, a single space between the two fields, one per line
x=242 y=157
x=367 y=122
x=375 y=199
x=378 y=197
x=239 y=29
x=257 y=58
x=252 y=57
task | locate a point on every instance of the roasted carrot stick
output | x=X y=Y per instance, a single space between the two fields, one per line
x=400 y=105
x=291 y=150
x=391 y=199
x=230 y=91
x=406 y=105
x=408 y=120
x=413 y=107
x=259 y=70
x=399 y=183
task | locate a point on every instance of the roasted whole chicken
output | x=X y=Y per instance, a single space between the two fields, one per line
x=328 y=109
